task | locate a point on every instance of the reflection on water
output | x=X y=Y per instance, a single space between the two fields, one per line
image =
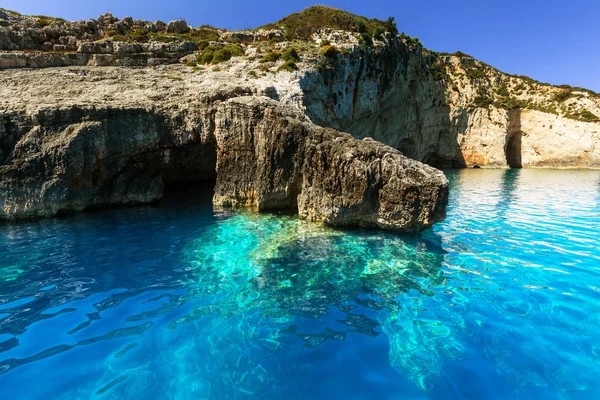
x=499 y=301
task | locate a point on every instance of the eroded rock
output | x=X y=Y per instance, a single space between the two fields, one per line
x=264 y=155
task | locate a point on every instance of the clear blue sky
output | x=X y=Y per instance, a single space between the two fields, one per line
x=556 y=41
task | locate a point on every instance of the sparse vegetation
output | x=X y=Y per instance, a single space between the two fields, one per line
x=474 y=71
x=270 y=57
x=43 y=20
x=219 y=54
x=583 y=115
x=303 y=24
x=365 y=40
x=330 y=52
x=439 y=72
x=288 y=66
x=502 y=90
x=290 y=55
x=482 y=99
x=562 y=96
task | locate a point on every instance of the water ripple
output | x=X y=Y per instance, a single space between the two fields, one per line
x=499 y=301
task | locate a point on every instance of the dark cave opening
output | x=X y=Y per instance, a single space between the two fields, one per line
x=191 y=193
x=436 y=161
x=190 y=175
x=513 y=150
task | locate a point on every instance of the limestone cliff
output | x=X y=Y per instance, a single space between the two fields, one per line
x=353 y=74
x=117 y=136
x=108 y=111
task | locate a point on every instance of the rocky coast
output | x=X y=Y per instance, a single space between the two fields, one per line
x=109 y=111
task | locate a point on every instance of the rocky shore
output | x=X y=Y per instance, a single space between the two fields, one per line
x=108 y=111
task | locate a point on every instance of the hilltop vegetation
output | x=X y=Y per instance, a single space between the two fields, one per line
x=302 y=25
x=306 y=38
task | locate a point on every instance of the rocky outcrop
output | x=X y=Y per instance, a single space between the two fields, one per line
x=262 y=112
x=84 y=151
x=276 y=161
x=451 y=110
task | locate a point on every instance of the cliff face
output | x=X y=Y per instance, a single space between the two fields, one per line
x=115 y=136
x=261 y=112
x=445 y=110
x=451 y=110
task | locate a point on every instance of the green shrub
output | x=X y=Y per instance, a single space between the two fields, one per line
x=252 y=72
x=325 y=42
x=439 y=73
x=474 y=72
x=483 y=99
x=288 y=66
x=162 y=54
x=191 y=64
x=44 y=21
x=119 y=38
x=302 y=25
x=270 y=57
x=221 y=55
x=205 y=58
x=330 y=51
x=218 y=54
x=204 y=33
x=583 y=115
x=503 y=90
x=366 y=39
x=163 y=38
x=140 y=35
x=290 y=54
x=378 y=33
x=562 y=96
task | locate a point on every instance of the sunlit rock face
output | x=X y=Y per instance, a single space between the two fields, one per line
x=452 y=110
x=268 y=158
x=83 y=153
x=266 y=127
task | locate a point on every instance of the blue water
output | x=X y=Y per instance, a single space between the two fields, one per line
x=178 y=301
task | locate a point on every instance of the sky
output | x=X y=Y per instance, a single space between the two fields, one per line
x=555 y=41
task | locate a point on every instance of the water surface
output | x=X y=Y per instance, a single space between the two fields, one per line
x=501 y=300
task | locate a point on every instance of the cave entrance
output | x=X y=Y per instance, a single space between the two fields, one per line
x=437 y=161
x=190 y=176
x=513 y=150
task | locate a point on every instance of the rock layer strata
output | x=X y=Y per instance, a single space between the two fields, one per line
x=265 y=122
x=122 y=141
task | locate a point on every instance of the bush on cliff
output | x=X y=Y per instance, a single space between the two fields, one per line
x=43 y=20
x=219 y=54
x=302 y=25
x=288 y=66
x=270 y=57
x=290 y=55
x=330 y=51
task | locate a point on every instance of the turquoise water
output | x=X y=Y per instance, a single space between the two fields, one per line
x=502 y=300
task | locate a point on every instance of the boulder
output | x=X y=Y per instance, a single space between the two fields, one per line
x=178 y=26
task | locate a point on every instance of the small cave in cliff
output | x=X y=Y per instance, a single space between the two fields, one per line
x=190 y=175
x=513 y=150
x=437 y=161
